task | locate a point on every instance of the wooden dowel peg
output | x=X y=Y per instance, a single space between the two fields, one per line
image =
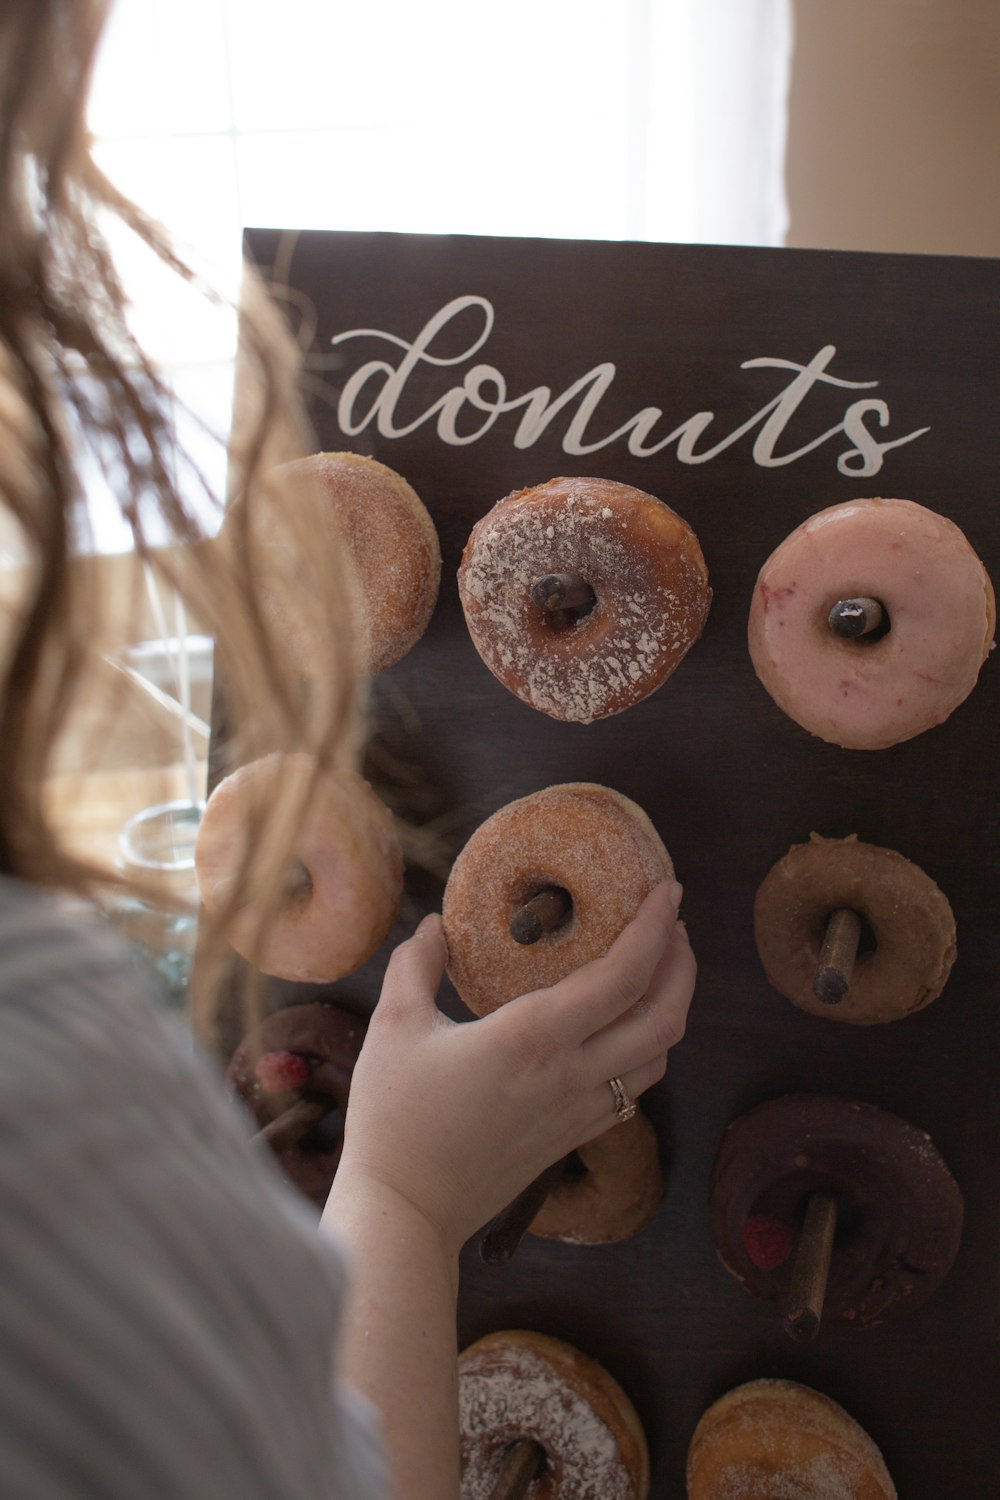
x=542 y=914
x=804 y=1308
x=512 y=1223
x=521 y=1464
x=563 y=591
x=296 y=1122
x=852 y=618
x=837 y=956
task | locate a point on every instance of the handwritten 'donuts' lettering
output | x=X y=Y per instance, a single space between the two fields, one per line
x=374 y=393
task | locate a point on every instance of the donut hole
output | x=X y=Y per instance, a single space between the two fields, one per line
x=543 y=910
x=849 y=1215
x=327 y=1134
x=531 y=1464
x=563 y=600
x=574 y=1170
x=296 y=887
x=853 y=614
x=867 y=941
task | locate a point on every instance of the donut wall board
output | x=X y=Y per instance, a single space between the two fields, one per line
x=749 y=389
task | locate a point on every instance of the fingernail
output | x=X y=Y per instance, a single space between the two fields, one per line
x=675 y=892
x=431 y=923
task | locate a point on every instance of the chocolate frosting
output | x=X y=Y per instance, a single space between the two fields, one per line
x=900 y=1209
x=331 y=1039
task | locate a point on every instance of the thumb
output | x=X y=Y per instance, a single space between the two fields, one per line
x=415 y=970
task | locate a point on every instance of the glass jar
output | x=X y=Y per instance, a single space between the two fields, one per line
x=157 y=846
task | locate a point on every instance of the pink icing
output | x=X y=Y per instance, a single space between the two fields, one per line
x=869 y=695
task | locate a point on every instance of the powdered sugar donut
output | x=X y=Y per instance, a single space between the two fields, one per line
x=902 y=677
x=641 y=597
x=519 y=1387
x=775 y=1438
x=595 y=846
x=345 y=888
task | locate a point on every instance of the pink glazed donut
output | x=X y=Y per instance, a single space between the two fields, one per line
x=939 y=616
x=346 y=877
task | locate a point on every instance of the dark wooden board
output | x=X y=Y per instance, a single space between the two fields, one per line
x=729 y=781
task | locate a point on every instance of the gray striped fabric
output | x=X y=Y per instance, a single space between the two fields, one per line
x=167 y=1311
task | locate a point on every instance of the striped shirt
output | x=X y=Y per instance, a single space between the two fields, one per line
x=168 y=1313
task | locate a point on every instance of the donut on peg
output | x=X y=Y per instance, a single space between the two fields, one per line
x=608 y=1190
x=870 y=622
x=599 y=856
x=296 y=1067
x=346 y=880
x=373 y=513
x=536 y=1405
x=899 y=951
x=591 y=846
x=898 y=1211
x=582 y=596
x=773 y=1438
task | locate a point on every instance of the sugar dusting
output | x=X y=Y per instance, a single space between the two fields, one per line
x=500 y=1403
x=392 y=541
x=589 y=840
x=642 y=562
x=778 y=1440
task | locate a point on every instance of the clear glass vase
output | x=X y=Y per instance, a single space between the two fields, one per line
x=157 y=845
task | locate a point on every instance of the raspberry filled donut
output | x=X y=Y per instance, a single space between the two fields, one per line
x=344 y=887
x=582 y=596
x=910 y=922
x=588 y=852
x=532 y=1401
x=906 y=580
x=773 y=1438
x=361 y=505
x=899 y=1210
x=304 y=1053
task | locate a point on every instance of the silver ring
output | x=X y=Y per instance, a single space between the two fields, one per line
x=624 y=1106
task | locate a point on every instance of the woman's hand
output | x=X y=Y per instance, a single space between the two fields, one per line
x=457 y=1119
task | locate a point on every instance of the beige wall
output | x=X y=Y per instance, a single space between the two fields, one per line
x=894 y=126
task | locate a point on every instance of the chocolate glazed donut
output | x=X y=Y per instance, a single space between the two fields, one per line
x=900 y=1211
x=307 y=1053
x=909 y=918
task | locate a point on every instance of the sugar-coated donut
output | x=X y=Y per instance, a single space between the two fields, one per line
x=777 y=1440
x=647 y=575
x=348 y=877
x=611 y=1188
x=392 y=541
x=909 y=917
x=518 y=1386
x=303 y=1051
x=577 y=837
x=900 y=1211
x=873 y=691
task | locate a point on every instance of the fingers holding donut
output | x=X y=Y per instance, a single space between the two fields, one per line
x=635 y=1047
x=614 y=984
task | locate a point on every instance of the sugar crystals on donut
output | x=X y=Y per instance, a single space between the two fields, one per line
x=590 y=843
x=582 y=596
x=776 y=1438
x=520 y=1389
x=345 y=888
x=870 y=622
x=376 y=522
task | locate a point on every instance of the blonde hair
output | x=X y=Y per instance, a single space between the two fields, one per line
x=76 y=389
